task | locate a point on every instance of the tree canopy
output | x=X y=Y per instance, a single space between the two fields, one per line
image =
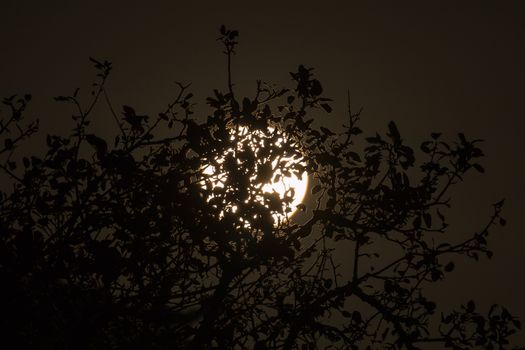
x=128 y=243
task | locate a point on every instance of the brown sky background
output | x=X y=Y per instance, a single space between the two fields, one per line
x=445 y=66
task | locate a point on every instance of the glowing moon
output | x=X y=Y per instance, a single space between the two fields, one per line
x=287 y=184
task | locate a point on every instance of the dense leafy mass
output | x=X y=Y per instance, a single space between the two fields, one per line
x=128 y=244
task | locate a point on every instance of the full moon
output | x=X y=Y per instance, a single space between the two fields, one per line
x=283 y=181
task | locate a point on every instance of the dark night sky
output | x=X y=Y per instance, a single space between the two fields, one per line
x=442 y=66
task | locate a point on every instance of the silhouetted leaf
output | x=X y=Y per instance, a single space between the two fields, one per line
x=326 y=107
x=471 y=306
x=417 y=222
x=393 y=132
x=316 y=88
x=478 y=168
x=8 y=144
x=428 y=220
x=301 y=207
x=449 y=267
x=99 y=144
x=316 y=189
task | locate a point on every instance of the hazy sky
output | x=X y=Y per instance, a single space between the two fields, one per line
x=445 y=66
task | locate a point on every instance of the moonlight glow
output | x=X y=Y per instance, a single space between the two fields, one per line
x=283 y=181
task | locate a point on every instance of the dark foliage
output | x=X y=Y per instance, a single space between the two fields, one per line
x=130 y=244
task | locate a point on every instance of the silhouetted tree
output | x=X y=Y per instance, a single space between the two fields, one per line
x=132 y=244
